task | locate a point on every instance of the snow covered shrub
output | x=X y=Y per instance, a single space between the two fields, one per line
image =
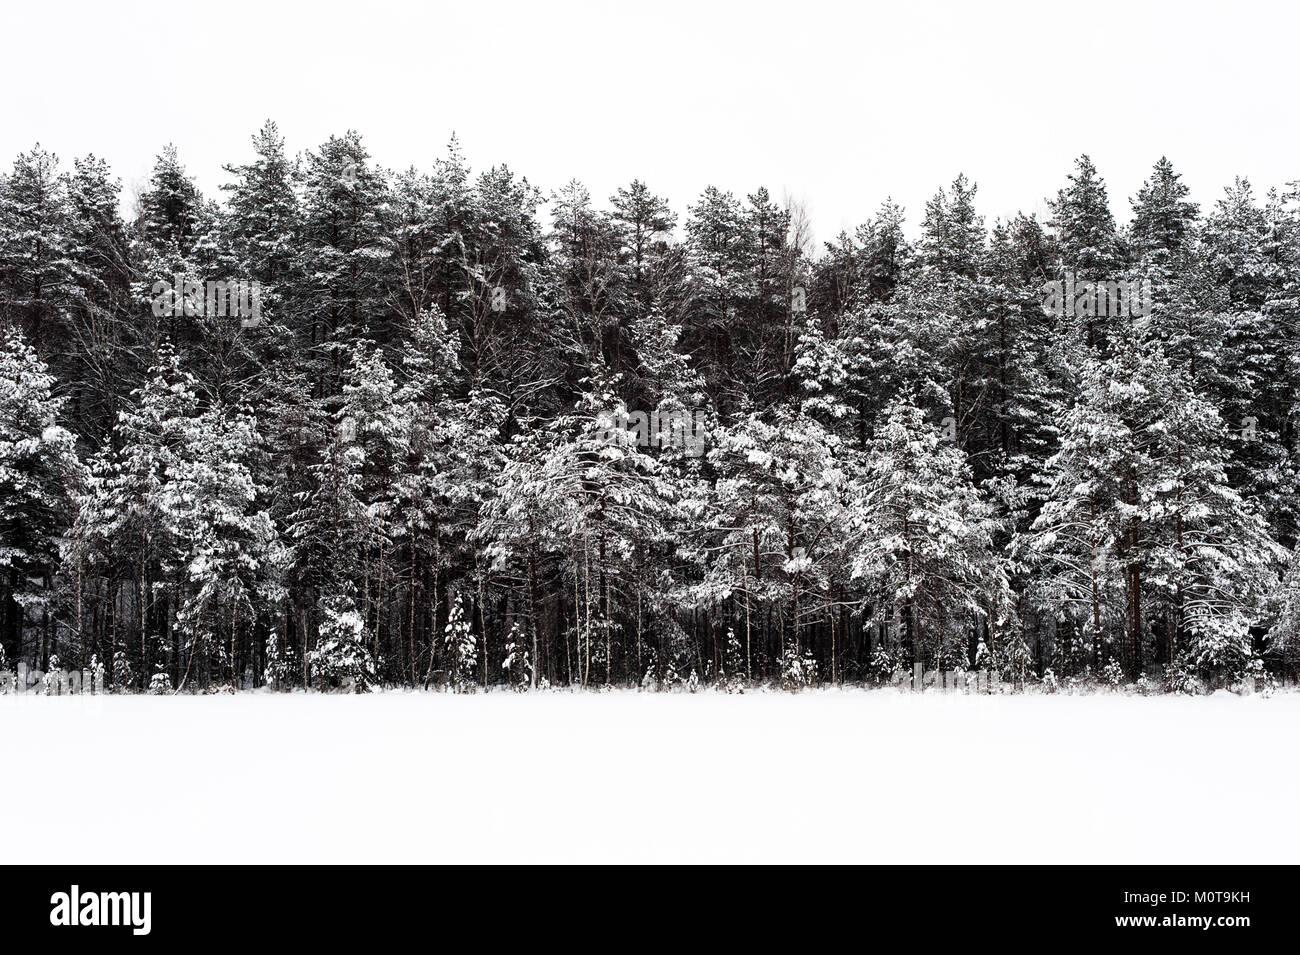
x=461 y=649
x=519 y=669
x=340 y=658
x=123 y=675
x=1219 y=648
x=1182 y=677
x=680 y=652
x=797 y=671
x=734 y=656
x=50 y=683
x=732 y=677
x=693 y=682
x=1049 y=682
x=1069 y=654
x=1013 y=659
x=731 y=683
x=1257 y=678
x=1112 y=674
x=276 y=672
x=1149 y=686
x=671 y=678
x=883 y=663
x=160 y=683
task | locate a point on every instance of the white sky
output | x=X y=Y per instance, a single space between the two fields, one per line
x=840 y=104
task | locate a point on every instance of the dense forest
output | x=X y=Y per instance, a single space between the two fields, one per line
x=464 y=433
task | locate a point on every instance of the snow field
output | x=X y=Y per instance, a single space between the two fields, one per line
x=821 y=776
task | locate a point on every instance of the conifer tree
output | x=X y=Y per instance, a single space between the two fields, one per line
x=39 y=473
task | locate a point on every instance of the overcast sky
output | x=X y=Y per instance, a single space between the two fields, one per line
x=837 y=104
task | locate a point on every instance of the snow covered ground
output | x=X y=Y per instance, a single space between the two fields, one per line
x=847 y=776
